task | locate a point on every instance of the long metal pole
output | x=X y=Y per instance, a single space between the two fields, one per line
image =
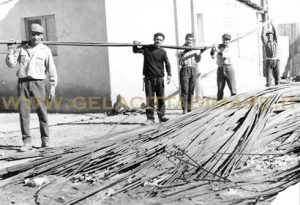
x=99 y=44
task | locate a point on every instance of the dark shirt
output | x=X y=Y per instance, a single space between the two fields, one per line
x=154 y=60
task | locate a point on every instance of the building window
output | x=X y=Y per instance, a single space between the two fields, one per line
x=48 y=22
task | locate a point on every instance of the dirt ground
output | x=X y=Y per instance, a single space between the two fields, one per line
x=65 y=130
x=70 y=129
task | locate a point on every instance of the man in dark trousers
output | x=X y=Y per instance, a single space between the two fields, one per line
x=271 y=50
x=225 y=72
x=35 y=64
x=155 y=59
x=188 y=60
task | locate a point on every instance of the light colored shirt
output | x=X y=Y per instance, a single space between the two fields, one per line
x=271 y=50
x=34 y=63
x=189 y=58
x=224 y=56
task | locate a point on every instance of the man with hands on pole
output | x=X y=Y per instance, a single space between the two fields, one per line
x=155 y=59
x=35 y=62
x=271 y=51
x=188 y=60
x=225 y=72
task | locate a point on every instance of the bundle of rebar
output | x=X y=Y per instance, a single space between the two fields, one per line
x=194 y=157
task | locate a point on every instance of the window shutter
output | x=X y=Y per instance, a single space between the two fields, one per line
x=51 y=32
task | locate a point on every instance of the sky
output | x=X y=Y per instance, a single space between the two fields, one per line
x=287 y=11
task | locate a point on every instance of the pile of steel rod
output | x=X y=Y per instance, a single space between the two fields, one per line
x=186 y=157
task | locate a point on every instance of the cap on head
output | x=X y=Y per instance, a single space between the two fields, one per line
x=226 y=36
x=269 y=32
x=159 y=34
x=36 y=28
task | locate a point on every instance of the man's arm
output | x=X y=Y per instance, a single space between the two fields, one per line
x=51 y=68
x=12 y=56
x=274 y=33
x=275 y=39
x=264 y=38
x=214 y=50
x=168 y=67
x=167 y=64
x=190 y=54
x=198 y=57
x=136 y=49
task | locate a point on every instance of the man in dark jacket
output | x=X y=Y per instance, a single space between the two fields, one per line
x=155 y=59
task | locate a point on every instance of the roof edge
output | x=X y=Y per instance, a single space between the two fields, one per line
x=252 y=5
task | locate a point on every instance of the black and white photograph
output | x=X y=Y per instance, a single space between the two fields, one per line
x=149 y=102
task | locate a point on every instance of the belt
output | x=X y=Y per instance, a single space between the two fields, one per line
x=227 y=65
x=149 y=78
x=188 y=66
x=30 y=79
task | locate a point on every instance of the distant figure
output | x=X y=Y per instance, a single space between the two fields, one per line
x=269 y=39
x=35 y=63
x=225 y=72
x=155 y=59
x=119 y=107
x=188 y=60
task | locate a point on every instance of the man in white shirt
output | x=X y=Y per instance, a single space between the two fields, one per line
x=35 y=61
x=188 y=60
x=225 y=72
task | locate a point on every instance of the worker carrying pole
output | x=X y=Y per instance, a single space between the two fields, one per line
x=271 y=54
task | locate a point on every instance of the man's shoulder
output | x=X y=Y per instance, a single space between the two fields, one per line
x=153 y=48
x=162 y=49
x=45 y=48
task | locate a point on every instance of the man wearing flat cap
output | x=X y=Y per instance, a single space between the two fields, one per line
x=271 y=55
x=225 y=72
x=35 y=62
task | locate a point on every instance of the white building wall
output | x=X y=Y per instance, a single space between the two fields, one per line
x=83 y=72
x=140 y=19
x=116 y=70
x=237 y=19
x=137 y=20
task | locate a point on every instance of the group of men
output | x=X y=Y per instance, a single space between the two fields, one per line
x=155 y=59
x=36 y=63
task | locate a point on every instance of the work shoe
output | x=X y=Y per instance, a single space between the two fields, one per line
x=25 y=148
x=163 y=119
x=45 y=145
x=149 y=122
x=45 y=142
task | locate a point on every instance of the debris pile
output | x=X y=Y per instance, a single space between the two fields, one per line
x=225 y=153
